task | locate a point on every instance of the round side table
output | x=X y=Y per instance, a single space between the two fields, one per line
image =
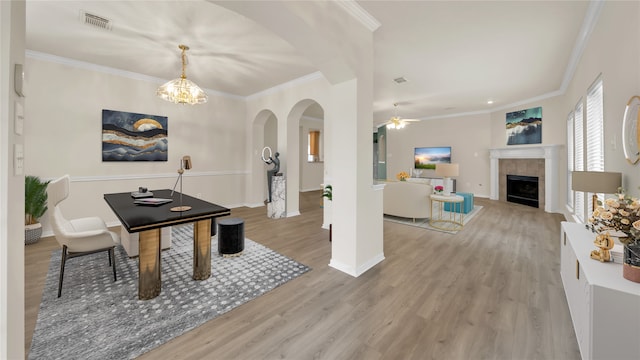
x=454 y=220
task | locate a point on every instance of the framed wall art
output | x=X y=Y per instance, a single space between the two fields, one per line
x=429 y=157
x=524 y=127
x=133 y=137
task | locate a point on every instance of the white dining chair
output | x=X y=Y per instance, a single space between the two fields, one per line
x=81 y=236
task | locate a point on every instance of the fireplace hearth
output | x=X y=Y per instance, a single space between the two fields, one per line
x=523 y=190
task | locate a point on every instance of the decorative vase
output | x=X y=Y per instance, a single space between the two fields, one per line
x=631 y=262
x=32 y=233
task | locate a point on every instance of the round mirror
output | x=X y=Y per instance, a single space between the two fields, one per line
x=631 y=130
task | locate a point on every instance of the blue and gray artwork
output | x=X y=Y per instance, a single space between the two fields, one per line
x=524 y=127
x=133 y=137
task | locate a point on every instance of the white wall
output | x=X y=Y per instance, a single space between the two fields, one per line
x=469 y=137
x=64 y=133
x=280 y=101
x=553 y=122
x=311 y=173
x=12 y=35
x=613 y=50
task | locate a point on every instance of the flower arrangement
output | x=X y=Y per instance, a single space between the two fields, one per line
x=402 y=176
x=621 y=213
x=438 y=189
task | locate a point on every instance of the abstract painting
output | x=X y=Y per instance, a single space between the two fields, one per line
x=524 y=127
x=133 y=137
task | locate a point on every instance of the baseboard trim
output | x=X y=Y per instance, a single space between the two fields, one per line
x=355 y=272
x=349 y=270
x=369 y=264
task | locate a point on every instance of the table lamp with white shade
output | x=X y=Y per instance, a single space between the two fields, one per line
x=447 y=171
x=596 y=182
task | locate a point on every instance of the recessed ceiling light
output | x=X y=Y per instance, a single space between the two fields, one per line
x=400 y=80
x=490 y=102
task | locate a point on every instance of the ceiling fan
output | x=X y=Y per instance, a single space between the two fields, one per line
x=397 y=122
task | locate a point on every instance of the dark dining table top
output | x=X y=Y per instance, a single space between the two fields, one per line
x=137 y=218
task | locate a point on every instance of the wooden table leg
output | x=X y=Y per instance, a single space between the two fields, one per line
x=202 y=249
x=149 y=282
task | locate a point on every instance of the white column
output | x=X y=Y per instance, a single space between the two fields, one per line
x=551 y=182
x=357 y=204
x=12 y=43
x=494 y=193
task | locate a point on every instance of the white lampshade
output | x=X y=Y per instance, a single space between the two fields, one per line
x=596 y=181
x=447 y=170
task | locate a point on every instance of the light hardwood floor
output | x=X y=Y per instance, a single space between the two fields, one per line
x=492 y=291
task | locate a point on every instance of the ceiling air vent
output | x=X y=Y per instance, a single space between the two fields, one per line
x=95 y=20
x=400 y=80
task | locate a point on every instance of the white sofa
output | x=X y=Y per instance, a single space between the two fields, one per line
x=409 y=199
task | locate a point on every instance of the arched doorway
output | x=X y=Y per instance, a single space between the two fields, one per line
x=265 y=133
x=312 y=151
x=298 y=166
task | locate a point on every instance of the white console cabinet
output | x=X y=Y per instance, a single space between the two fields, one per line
x=605 y=307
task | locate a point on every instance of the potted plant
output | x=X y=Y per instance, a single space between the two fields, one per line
x=328 y=193
x=35 y=205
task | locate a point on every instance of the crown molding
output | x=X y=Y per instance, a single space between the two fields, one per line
x=588 y=24
x=360 y=14
x=136 y=76
x=31 y=54
x=530 y=100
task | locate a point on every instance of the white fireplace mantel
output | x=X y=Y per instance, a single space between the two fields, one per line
x=547 y=152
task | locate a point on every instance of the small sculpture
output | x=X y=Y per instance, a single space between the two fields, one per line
x=274 y=171
x=605 y=243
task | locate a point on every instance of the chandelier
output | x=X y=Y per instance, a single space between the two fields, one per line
x=181 y=90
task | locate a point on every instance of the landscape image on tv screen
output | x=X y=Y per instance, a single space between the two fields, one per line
x=428 y=157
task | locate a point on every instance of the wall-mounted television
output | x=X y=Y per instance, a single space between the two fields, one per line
x=428 y=157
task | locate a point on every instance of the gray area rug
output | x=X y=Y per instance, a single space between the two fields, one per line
x=424 y=223
x=97 y=318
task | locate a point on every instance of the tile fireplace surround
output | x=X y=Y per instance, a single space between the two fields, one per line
x=549 y=188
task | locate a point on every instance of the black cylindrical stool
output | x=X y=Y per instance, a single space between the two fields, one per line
x=230 y=236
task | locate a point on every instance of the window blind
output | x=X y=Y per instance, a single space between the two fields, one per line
x=595 y=133
x=570 y=152
x=314 y=142
x=578 y=162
